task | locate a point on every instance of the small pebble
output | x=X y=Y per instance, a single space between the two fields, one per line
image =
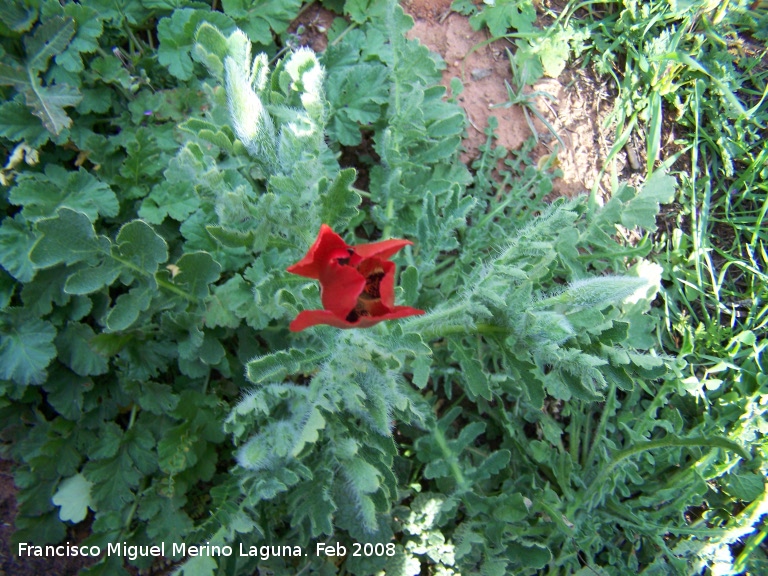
x=480 y=73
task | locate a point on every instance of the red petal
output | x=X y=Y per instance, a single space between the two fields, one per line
x=326 y=248
x=387 y=286
x=395 y=313
x=308 y=318
x=383 y=249
x=339 y=288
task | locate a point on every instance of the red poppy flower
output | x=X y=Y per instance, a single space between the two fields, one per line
x=357 y=283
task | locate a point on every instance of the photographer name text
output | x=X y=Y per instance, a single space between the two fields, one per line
x=132 y=552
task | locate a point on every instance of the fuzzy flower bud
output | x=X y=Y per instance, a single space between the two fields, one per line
x=250 y=119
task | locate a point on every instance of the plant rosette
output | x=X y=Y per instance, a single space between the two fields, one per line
x=356 y=282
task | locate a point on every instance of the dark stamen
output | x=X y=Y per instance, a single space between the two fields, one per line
x=372 y=283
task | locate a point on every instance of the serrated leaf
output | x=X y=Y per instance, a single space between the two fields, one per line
x=421 y=368
x=65 y=391
x=503 y=15
x=175 y=451
x=17 y=123
x=175 y=199
x=50 y=38
x=42 y=529
x=309 y=430
x=108 y=442
x=74 y=348
x=493 y=464
x=42 y=195
x=158 y=398
x=212 y=40
x=276 y=366
x=74 y=498
x=312 y=501
x=472 y=374
x=364 y=477
x=88 y=30
x=48 y=103
x=357 y=94
x=338 y=204
x=26 y=347
x=18 y=16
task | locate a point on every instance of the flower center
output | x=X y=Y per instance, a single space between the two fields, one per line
x=372 y=283
x=370 y=295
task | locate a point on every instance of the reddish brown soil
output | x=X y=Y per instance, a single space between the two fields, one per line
x=577 y=113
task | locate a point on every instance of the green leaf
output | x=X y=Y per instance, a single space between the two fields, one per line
x=175 y=451
x=196 y=270
x=312 y=501
x=74 y=498
x=158 y=398
x=276 y=366
x=744 y=486
x=67 y=238
x=89 y=29
x=472 y=374
x=26 y=347
x=165 y=518
x=115 y=478
x=199 y=566
x=108 y=443
x=49 y=39
x=309 y=430
x=17 y=123
x=177 y=38
x=357 y=94
x=140 y=248
x=42 y=529
x=530 y=554
x=211 y=49
x=502 y=16
x=127 y=309
x=16 y=241
x=73 y=344
x=19 y=16
x=642 y=210
x=259 y=20
x=65 y=391
x=229 y=303
x=7 y=288
x=175 y=199
x=48 y=103
x=42 y=195
x=173 y=52
x=135 y=256
x=339 y=202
